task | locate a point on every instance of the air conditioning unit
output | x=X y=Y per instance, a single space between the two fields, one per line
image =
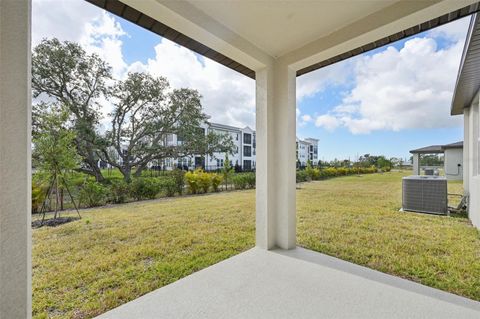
x=425 y=194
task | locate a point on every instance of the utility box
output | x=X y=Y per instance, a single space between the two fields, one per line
x=425 y=194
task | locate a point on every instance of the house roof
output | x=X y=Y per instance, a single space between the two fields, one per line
x=432 y=149
x=453 y=145
x=468 y=77
x=436 y=149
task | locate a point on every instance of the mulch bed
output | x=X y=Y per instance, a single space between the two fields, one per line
x=53 y=222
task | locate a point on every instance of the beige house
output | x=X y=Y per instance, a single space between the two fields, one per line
x=466 y=102
x=453 y=160
x=273 y=43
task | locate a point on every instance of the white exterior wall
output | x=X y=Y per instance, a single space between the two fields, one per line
x=15 y=162
x=453 y=163
x=471 y=160
x=302 y=152
x=416 y=164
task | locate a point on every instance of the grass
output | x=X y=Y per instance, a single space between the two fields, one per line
x=357 y=219
x=116 y=254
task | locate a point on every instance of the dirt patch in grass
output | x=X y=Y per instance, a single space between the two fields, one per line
x=51 y=222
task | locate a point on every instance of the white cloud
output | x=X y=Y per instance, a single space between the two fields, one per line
x=402 y=89
x=103 y=36
x=302 y=120
x=453 y=31
x=328 y=122
x=228 y=97
x=306 y=118
x=65 y=20
x=315 y=82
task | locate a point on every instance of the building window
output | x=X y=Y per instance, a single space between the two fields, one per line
x=247 y=151
x=170 y=139
x=237 y=137
x=247 y=165
x=247 y=138
x=179 y=139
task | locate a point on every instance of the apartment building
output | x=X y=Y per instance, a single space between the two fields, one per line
x=244 y=154
x=307 y=150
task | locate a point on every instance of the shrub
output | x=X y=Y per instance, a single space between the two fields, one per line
x=216 y=181
x=192 y=181
x=179 y=178
x=309 y=170
x=119 y=190
x=144 y=188
x=239 y=181
x=244 y=180
x=329 y=172
x=204 y=180
x=38 y=196
x=301 y=176
x=169 y=186
x=93 y=194
x=250 y=180
x=342 y=171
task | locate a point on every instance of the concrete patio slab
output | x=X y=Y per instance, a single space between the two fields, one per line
x=295 y=283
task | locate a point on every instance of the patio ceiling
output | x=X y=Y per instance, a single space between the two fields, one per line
x=280 y=28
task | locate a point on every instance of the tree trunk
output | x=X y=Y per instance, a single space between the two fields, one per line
x=127 y=173
x=98 y=174
x=61 y=198
x=138 y=172
x=93 y=172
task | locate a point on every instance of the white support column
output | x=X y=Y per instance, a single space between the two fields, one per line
x=15 y=162
x=416 y=163
x=276 y=131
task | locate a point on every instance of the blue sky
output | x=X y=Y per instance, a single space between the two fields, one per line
x=377 y=103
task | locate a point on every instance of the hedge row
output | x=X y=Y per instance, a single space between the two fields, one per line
x=91 y=194
x=313 y=174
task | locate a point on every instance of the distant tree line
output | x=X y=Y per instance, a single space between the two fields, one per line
x=364 y=161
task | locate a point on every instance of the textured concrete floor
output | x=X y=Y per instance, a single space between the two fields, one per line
x=294 y=284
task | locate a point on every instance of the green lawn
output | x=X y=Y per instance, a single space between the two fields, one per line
x=357 y=219
x=114 y=255
x=119 y=253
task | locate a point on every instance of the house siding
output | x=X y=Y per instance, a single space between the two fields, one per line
x=471 y=160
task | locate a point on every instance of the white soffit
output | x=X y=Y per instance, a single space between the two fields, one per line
x=306 y=35
x=278 y=27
